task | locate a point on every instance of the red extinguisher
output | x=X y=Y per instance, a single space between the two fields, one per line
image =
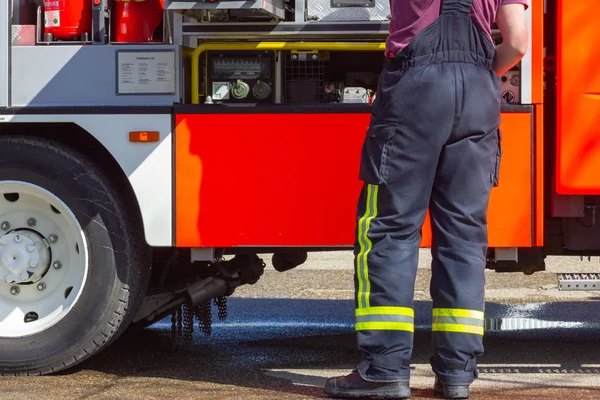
x=67 y=19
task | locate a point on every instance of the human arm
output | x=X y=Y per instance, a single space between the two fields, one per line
x=515 y=37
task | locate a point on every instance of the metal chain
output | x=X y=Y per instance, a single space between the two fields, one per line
x=179 y=323
x=182 y=320
x=174 y=330
x=188 y=323
x=204 y=317
x=221 y=303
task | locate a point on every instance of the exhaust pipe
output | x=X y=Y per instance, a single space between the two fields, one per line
x=241 y=270
x=204 y=290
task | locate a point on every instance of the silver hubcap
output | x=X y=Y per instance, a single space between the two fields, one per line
x=43 y=259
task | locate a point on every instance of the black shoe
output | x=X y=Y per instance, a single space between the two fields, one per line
x=451 y=391
x=355 y=386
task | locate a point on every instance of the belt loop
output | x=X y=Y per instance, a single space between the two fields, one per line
x=399 y=61
x=402 y=62
x=406 y=62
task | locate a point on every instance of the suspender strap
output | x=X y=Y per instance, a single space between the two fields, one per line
x=456 y=7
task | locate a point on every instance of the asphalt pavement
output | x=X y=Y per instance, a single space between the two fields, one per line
x=286 y=334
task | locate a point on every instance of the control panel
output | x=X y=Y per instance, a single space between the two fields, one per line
x=510 y=87
x=240 y=77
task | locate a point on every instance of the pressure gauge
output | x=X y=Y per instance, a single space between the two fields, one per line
x=220 y=90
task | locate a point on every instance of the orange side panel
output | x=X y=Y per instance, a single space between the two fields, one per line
x=510 y=217
x=537 y=51
x=275 y=179
x=539 y=175
x=251 y=179
x=578 y=100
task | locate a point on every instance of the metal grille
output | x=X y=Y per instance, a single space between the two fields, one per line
x=579 y=282
x=303 y=78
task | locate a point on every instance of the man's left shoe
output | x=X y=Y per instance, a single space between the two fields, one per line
x=354 y=386
x=451 y=391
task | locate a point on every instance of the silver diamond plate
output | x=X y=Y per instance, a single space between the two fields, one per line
x=321 y=10
x=23 y=35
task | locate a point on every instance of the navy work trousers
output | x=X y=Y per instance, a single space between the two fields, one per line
x=433 y=143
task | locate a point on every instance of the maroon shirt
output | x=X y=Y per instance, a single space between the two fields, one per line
x=409 y=17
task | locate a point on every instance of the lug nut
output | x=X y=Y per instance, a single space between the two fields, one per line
x=34 y=263
x=41 y=286
x=53 y=238
x=31 y=222
x=5 y=226
x=15 y=290
x=3 y=240
x=57 y=265
x=18 y=238
x=31 y=248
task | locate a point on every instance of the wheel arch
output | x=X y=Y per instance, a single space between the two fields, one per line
x=77 y=138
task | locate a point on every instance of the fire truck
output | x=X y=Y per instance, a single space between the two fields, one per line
x=151 y=150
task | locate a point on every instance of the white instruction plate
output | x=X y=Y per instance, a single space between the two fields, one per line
x=146 y=72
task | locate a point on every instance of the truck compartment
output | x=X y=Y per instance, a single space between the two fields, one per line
x=578 y=99
x=294 y=114
x=287 y=175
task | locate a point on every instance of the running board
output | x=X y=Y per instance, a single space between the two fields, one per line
x=578 y=282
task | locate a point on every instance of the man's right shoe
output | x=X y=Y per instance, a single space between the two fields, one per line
x=451 y=391
x=354 y=386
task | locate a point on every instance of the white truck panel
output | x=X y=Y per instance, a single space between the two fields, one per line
x=5 y=34
x=527 y=66
x=71 y=75
x=147 y=165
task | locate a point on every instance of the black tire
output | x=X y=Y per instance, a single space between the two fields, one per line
x=118 y=257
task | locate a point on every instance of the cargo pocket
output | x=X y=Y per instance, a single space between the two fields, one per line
x=375 y=154
x=496 y=174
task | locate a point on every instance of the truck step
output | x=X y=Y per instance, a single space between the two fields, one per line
x=578 y=282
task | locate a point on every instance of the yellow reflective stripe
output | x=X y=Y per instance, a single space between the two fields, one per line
x=385 y=310
x=476 y=330
x=370 y=245
x=458 y=320
x=362 y=267
x=385 y=326
x=457 y=312
x=384 y=318
x=359 y=268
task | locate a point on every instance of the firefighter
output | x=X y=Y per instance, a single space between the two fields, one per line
x=433 y=142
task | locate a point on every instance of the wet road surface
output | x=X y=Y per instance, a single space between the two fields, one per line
x=285 y=335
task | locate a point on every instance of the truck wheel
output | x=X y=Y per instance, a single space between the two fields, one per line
x=73 y=264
